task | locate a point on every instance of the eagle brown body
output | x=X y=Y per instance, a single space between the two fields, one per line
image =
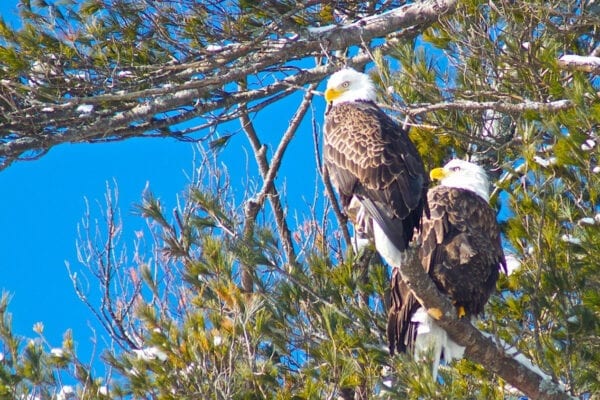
x=370 y=157
x=462 y=252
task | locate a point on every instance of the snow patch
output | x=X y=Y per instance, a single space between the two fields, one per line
x=524 y=361
x=66 y=392
x=84 y=76
x=57 y=352
x=512 y=263
x=150 y=353
x=30 y=397
x=185 y=93
x=125 y=74
x=575 y=59
x=490 y=125
x=215 y=48
x=319 y=30
x=545 y=162
x=588 y=145
x=387 y=375
x=587 y=221
x=570 y=239
x=85 y=108
x=43 y=68
x=515 y=354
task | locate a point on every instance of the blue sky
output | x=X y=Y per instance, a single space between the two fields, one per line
x=42 y=202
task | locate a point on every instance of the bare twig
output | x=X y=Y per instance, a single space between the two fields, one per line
x=99 y=256
x=268 y=172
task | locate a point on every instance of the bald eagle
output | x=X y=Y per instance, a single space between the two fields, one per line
x=462 y=252
x=372 y=161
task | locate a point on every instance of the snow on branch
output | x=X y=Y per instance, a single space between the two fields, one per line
x=580 y=63
x=512 y=366
x=508 y=108
x=373 y=26
x=188 y=90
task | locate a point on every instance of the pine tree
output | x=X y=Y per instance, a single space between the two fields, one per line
x=240 y=300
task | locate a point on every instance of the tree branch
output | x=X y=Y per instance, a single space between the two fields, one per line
x=478 y=347
x=580 y=63
x=190 y=89
x=268 y=172
x=508 y=108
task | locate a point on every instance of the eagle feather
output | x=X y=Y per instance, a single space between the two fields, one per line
x=462 y=252
x=370 y=157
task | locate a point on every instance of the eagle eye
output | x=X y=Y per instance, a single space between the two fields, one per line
x=345 y=84
x=455 y=169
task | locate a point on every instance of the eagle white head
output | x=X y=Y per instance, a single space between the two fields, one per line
x=463 y=175
x=349 y=85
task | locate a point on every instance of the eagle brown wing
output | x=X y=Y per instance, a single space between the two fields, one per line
x=368 y=155
x=461 y=250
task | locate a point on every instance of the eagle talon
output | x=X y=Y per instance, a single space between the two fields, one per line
x=435 y=313
x=460 y=312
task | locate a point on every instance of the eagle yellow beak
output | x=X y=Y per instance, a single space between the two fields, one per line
x=437 y=174
x=332 y=94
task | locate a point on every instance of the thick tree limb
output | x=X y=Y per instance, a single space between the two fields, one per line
x=478 y=347
x=189 y=90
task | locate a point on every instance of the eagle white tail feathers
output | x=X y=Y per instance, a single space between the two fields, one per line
x=386 y=249
x=430 y=337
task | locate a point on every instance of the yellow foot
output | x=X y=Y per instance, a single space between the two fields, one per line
x=435 y=313
x=460 y=311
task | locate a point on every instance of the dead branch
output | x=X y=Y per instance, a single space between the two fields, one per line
x=268 y=172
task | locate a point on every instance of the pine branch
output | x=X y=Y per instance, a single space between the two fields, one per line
x=33 y=124
x=478 y=347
